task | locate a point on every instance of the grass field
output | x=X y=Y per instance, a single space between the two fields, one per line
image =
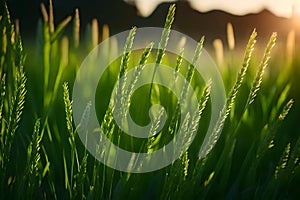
x=41 y=156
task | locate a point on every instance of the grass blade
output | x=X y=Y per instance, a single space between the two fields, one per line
x=260 y=72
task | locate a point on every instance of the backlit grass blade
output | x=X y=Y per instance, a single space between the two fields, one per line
x=33 y=166
x=178 y=64
x=212 y=139
x=71 y=132
x=95 y=32
x=136 y=75
x=15 y=110
x=76 y=29
x=174 y=121
x=267 y=142
x=60 y=28
x=260 y=72
x=191 y=69
x=122 y=78
x=283 y=161
x=51 y=17
x=165 y=34
x=163 y=41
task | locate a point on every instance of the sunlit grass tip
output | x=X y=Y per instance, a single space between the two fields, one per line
x=212 y=139
x=260 y=72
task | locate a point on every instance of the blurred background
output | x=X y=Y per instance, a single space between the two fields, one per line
x=193 y=18
x=121 y=16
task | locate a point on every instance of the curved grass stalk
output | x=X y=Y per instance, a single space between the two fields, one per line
x=163 y=42
x=50 y=36
x=260 y=72
x=13 y=90
x=69 y=121
x=33 y=169
x=231 y=98
x=136 y=75
x=267 y=142
x=191 y=69
x=208 y=145
x=174 y=121
x=122 y=78
x=190 y=125
x=15 y=111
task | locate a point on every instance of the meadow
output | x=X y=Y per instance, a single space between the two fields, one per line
x=256 y=155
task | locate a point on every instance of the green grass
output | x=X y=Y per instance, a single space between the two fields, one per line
x=41 y=156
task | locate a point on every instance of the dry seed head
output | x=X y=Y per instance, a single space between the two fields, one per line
x=95 y=32
x=290 y=45
x=65 y=22
x=17 y=27
x=76 y=28
x=218 y=45
x=44 y=13
x=105 y=32
x=51 y=17
x=230 y=36
x=13 y=36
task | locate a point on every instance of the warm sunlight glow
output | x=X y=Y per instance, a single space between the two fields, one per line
x=281 y=8
x=297 y=8
x=297 y=4
x=296 y=13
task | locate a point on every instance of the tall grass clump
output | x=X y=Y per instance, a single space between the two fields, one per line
x=253 y=152
x=13 y=90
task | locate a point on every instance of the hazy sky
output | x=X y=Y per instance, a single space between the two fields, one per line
x=282 y=8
